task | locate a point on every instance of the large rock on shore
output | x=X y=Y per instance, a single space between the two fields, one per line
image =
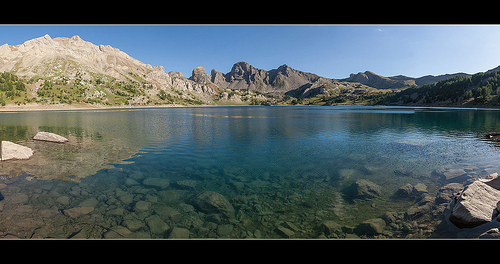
x=477 y=204
x=51 y=137
x=15 y=151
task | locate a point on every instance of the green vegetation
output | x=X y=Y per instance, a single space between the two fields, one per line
x=11 y=88
x=479 y=89
x=84 y=88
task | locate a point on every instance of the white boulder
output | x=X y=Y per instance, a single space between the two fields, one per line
x=51 y=137
x=15 y=151
x=477 y=204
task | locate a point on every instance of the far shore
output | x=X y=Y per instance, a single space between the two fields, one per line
x=66 y=107
x=61 y=107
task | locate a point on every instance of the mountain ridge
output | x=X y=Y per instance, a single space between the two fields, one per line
x=65 y=70
x=397 y=82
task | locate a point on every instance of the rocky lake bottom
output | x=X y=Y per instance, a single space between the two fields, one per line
x=132 y=204
x=245 y=178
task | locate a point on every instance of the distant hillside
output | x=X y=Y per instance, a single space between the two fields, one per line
x=480 y=89
x=396 y=82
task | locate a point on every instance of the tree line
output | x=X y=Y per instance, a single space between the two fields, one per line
x=483 y=87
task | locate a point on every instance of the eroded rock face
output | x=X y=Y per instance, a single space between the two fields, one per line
x=15 y=151
x=200 y=76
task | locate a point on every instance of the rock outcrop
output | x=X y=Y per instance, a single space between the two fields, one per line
x=51 y=137
x=200 y=76
x=12 y=151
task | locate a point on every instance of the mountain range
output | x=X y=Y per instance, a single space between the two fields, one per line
x=397 y=82
x=72 y=70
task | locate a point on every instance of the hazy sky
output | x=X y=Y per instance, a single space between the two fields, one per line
x=332 y=51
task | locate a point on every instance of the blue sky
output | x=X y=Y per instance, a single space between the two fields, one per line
x=332 y=51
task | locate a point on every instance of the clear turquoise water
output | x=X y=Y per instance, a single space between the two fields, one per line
x=278 y=167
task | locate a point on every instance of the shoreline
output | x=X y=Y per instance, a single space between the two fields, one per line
x=66 y=107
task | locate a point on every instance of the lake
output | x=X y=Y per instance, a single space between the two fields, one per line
x=242 y=172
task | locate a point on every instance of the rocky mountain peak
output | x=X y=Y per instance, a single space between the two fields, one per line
x=284 y=68
x=239 y=69
x=41 y=41
x=199 y=75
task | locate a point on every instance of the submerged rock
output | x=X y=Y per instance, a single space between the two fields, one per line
x=141 y=206
x=330 y=228
x=156 y=182
x=284 y=232
x=51 y=137
x=411 y=191
x=156 y=225
x=78 y=211
x=364 y=189
x=371 y=227
x=451 y=175
x=179 y=232
x=15 y=151
x=447 y=192
x=117 y=232
x=212 y=202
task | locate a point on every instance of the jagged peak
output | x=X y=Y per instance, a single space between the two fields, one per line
x=45 y=40
x=199 y=69
x=242 y=63
x=284 y=67
x=199 y=75
x=371 y=73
